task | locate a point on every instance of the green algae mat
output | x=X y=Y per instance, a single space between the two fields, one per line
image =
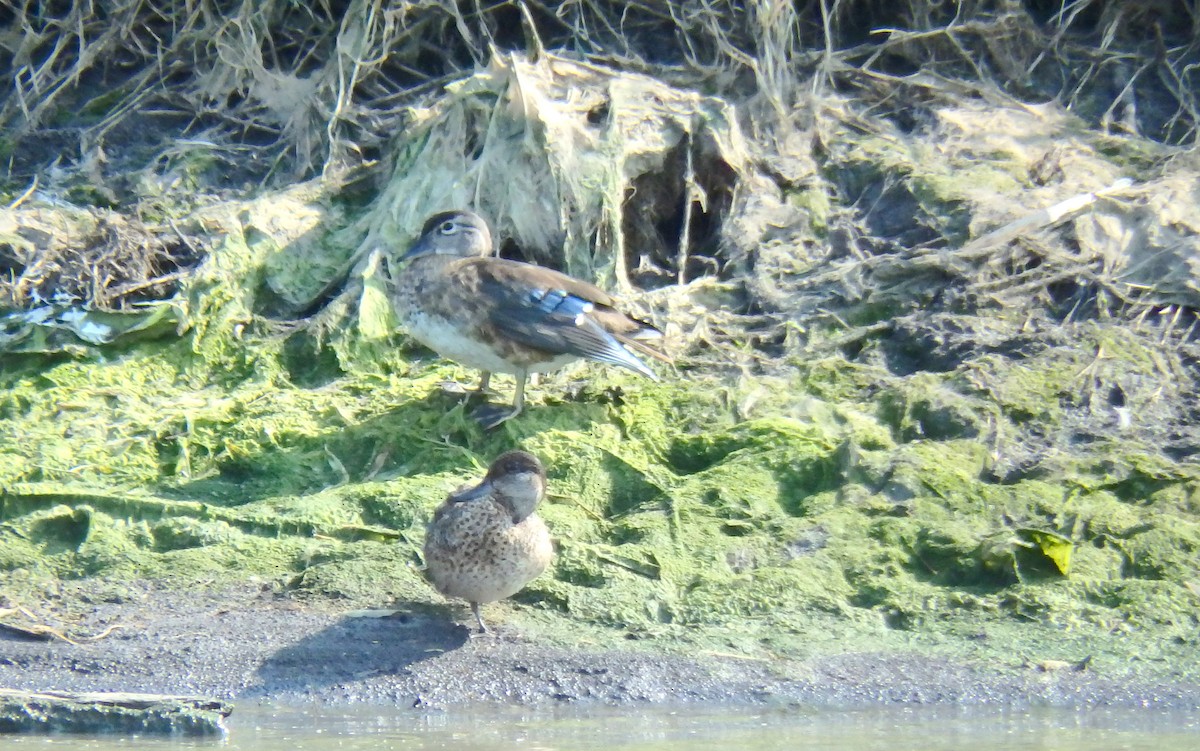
x=747 y=517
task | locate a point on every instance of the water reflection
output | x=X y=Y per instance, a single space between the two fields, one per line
x=600 y=729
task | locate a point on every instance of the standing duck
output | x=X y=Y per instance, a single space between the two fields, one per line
x=487 y=542
x=504 y=316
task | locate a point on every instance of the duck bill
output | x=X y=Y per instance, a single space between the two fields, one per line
x=482 y=490
x=423 y=247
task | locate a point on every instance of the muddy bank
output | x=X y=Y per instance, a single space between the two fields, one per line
x=248 y=645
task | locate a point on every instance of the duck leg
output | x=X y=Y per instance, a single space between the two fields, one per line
x=491 y=415
x=479 y=619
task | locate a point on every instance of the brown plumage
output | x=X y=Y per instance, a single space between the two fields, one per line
x=487 y=542
x=505 y=316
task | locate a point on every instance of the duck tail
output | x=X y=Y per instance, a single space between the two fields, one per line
x=637 y=342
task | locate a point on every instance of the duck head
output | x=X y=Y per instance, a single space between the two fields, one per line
x=452 y=233
x=516 y=480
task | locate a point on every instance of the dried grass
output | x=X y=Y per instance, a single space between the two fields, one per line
x=43 y=249
x=324 y=81
x=582 y=158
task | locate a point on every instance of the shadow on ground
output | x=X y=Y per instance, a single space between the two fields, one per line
x=358 y=647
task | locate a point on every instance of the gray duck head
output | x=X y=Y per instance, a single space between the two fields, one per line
x=452 y=233
x=516 y=480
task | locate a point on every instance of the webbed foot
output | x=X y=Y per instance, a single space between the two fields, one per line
x=491 y=415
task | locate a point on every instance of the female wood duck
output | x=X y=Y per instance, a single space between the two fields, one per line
x=505 y=316
x=486 y=542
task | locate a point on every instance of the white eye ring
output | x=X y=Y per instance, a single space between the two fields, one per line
x=447 y=228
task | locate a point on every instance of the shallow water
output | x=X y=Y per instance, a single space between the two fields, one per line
x=494 y=729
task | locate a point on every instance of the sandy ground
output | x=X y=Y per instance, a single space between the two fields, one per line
x=247 y=645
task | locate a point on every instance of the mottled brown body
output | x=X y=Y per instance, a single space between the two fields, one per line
x=486 y=542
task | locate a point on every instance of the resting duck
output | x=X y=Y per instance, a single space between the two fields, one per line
x=504 y=316
x=487 y=542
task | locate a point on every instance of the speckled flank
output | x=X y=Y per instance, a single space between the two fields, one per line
x=485 y=543
x=475 y=552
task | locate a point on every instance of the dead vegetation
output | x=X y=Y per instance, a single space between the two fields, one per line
x=814 y=177
x=42 y=250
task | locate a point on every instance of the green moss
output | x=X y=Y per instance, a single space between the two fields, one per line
x=963 y=179
x=925 y=406
x=1034 y=390
x=815 y=201
x=1134 y=155
x=1167 y=551
x=944 y=184
x=675 y=521
x=837 y=380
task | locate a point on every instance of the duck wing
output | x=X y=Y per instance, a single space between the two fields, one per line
x=552 y=312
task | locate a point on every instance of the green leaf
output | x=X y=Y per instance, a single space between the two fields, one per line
x=1052 y=545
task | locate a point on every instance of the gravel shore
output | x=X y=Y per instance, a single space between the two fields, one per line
x=248 y=645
